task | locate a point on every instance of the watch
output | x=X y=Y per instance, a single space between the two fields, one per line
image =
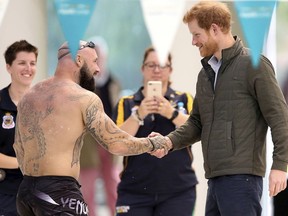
x=136 y=116
x=174 y=114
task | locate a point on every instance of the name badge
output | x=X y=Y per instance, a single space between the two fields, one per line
x=8 y=121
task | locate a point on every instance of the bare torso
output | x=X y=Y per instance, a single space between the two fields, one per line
x=52 y=127
x=53 y=117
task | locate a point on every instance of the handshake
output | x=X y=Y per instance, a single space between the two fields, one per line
x=160 y=145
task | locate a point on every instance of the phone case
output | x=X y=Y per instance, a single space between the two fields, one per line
x=154 y=88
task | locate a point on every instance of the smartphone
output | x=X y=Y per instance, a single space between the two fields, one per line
x=154 y=88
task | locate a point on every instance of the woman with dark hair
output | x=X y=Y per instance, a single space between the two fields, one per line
x=21 y=59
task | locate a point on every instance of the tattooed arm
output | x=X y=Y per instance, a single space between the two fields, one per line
x=18 y=148
x=113 y=139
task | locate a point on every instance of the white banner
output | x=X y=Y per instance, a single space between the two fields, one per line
x=3 y=7
x=162 y=18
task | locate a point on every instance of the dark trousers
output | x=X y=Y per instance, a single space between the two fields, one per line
x=236 y=195
x=170 y=204
x=281 y=203
x=8 y=205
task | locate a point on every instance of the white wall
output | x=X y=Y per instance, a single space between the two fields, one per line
x=24 y=19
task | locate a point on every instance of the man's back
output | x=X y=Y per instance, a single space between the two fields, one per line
x=51 y=126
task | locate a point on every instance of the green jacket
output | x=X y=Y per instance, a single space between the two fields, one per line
x=232 y=120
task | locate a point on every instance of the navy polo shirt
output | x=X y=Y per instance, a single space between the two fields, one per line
x=8 y=113
x=145 y=173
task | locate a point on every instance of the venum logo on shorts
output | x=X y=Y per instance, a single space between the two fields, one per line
x=8 y=121
x=78 y=206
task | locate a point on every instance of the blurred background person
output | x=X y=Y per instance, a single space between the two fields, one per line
x=150 y=186
x=21 y=59
x=96 y=162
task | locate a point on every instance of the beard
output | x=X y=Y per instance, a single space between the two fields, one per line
x=87 y=82
x=209 y=48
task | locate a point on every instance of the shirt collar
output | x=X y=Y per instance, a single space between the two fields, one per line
x=214 y=63
x=5 y=100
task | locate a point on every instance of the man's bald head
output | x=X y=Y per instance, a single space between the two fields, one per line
x=64 y=48
x=85 y=67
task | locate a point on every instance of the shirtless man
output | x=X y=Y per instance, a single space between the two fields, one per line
x=53 y=117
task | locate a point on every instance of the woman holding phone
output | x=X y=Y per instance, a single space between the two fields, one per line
x=150 y=186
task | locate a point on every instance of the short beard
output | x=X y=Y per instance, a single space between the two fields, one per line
x=86 y=82
x=209 y=48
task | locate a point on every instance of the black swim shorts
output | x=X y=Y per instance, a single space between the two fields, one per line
x=50 y=195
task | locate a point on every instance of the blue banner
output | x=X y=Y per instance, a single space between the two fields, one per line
x=255 y=18
x=74 y=17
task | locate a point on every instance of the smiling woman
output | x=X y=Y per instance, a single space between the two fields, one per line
x=21 y=59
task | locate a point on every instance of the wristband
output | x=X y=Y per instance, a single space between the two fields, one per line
x=174 y=115
x=153 y=146
x=136 y=116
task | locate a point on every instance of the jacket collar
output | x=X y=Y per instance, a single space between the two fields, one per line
x=228 y=53
x=231 y=52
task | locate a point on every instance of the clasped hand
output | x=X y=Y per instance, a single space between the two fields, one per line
x=162 y=144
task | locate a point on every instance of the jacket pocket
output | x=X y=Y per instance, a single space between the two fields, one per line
x=229 y=139
x=221 y=141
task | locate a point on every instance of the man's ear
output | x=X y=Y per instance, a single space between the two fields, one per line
x=79 y=60
x=215 y=28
